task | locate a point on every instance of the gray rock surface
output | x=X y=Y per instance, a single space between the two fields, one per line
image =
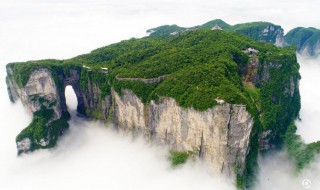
x=220 y=135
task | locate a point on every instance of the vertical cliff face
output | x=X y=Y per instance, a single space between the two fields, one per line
x=96 y=106
x=278 y=85
x=261 y=31
x=39 y=93
x=219 y=135
x=273 y=34
x=40 y=90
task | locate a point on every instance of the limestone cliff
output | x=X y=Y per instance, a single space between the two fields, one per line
x=43 y=91
x=39 y=92
x=220 y=134
x=40 y=86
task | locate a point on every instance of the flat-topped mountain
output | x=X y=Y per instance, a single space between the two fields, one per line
x=213 y=94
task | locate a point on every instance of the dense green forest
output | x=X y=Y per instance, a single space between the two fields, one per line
x=306 y=40
x=261 y=31
x=200 y=66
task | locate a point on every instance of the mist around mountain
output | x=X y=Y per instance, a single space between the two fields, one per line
x=306 y=40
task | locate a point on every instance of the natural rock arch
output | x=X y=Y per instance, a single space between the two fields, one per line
x=72 y=80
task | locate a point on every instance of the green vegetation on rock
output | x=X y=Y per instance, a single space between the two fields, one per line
x=213 y=23
x=306 y=40
x=177 y=158
x=299 y=151
x=42 y=129
x=261 y=31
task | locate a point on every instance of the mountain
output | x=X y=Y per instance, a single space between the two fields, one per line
x=213 y=94
x=306 y=40
x=261 y=31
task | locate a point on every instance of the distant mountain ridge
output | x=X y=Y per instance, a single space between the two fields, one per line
x=306 y=40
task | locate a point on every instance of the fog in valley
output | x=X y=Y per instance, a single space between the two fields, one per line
x=276 y=170
x=309 y=126
x=91 y=155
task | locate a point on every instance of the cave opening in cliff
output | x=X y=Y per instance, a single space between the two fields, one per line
x=71 y=99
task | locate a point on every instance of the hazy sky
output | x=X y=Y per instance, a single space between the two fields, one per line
x=37 y=29
x=33 y=29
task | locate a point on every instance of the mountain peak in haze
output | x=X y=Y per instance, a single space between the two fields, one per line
x=306 y=40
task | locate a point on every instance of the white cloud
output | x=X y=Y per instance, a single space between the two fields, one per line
x=309 y=126
x=278 y=172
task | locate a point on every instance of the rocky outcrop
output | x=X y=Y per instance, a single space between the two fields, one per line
x=279 y=38
x=220 y=135
x=273 y=34
x=43 y=91
x=40 y=90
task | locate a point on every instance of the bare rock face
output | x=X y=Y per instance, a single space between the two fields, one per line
x=24 y=145
x=220 y=135
x=95 y=106
x=40 y=86
x=272 y=34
